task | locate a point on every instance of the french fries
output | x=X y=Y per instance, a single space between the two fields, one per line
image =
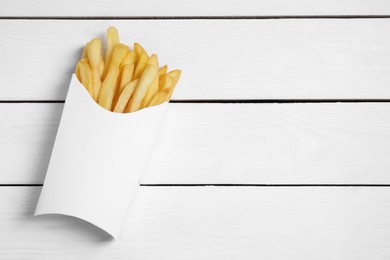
x=126 y=80
x=125 y=96
x=160 y=97
x=153 y=88
x=166 y=81
x=112 y=40
x=84 y=74
x=127 y=75
x=143 y=84
x=94 y=53
x=162 y=70
x=141 y=65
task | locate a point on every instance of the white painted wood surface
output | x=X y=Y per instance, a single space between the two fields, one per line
x=328 y=143
x=220 y=59
x=192 y=7
x=214 y=143
x=210 y=223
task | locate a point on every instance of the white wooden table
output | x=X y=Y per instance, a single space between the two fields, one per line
x=277 y=144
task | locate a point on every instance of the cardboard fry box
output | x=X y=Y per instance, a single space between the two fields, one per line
x=97 y=160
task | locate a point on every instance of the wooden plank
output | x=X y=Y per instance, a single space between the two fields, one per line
x=27 y=133
x=192 y=8
x=210 y=223
x=325 y=143
x=220 y=59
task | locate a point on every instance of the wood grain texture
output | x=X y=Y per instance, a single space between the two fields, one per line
x=191 y=8
x=327 y=143
x=220 y=59
x=27 y=133
x=210 y=223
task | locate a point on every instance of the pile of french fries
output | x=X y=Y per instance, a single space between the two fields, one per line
x=126 y=80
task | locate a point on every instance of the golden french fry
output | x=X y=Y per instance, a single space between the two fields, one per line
x=125 y=96
x=84 y=74
x=112 y=40
x=127 y=67
x=170 y=94
x=101 y=66
x=77 y=72
x=138 y=49
x=110 y=82
x=166 y=81
x=131 y=57
x=153 y=60
x=127 y=75
x=153 y=88
x=143 y=59
x=94 y=53
x=107 y=92
x=162 y=70
x=144 y=82
x=142 y=63
x=85 y=51
x=118 y=54
x=160 y=97
x=85 y=56
x=175 y=74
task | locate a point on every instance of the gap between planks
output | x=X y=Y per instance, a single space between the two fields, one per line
x=228 y=101
x=229 y=185
x=228 y=17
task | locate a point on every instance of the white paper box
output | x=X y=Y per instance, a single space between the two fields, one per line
x=97 y=160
